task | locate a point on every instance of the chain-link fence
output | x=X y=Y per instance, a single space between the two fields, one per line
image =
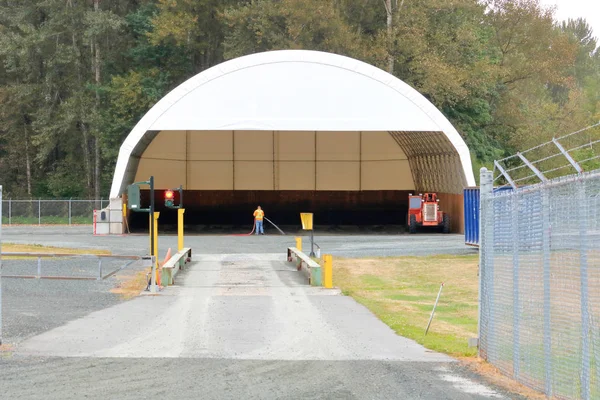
x=540 y=282
x=50 y=212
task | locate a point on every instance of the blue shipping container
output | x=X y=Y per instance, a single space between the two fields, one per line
x=471 y=204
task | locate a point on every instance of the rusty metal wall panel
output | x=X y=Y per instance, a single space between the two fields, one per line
x=386 y=175
x=210 y=175
x=340 y=175
x=210 y=145
x=283 y=207
x=228 y=207
x=453 y=204
x=338 y=146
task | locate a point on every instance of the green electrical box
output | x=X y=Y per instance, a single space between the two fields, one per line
x=133 y=197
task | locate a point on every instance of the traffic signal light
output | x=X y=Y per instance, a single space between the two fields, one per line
x=169 y=198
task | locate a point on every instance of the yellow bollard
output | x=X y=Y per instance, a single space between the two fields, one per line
x=156 y=214
x=328 y=271
x=180 y=213
x=299 y=243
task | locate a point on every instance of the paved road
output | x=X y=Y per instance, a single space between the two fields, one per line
x=234 y=326
x=346 y=245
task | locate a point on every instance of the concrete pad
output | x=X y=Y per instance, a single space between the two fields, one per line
x=236 y=306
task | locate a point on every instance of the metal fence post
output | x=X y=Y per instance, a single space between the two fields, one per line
x=70 y=200
x=515 y=262
x=9 y=211
x=547 y=299
x=39 y=211
x=585 y=315
x=99 y=268
x=39 y=267
x=486 y=190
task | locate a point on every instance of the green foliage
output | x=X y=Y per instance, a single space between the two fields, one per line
x=75 y=79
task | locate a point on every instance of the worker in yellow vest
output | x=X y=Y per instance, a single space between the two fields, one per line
x=259 y=215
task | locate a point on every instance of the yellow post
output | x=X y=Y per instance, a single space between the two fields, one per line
x=328 y=271
x=155 y=233
x=180 y=213
x=124 y=210
x=299 y=243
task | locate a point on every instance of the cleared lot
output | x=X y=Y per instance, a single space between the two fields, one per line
x=237 y=325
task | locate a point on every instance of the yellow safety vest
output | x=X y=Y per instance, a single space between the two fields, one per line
x=259 y=214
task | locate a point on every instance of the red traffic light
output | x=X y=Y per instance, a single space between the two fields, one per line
x=169 y=195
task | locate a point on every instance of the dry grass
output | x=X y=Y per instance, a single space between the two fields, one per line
x=130 y=286
x=402 y=290
x=34 y=248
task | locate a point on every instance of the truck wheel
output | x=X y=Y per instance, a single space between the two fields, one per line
x=446 y=224
x=412 y=226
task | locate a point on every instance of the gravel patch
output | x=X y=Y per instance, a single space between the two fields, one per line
x=118 y=378
x=33 y=306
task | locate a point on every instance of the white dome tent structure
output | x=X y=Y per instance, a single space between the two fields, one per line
x=286 y=127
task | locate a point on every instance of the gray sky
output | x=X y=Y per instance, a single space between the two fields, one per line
x=588 y=9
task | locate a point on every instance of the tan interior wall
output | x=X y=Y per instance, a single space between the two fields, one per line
x=338 y=146
x=167 y=146
x=209 y=145
x=210 y=175
x=341 y=175
x=386 y=175
x=295 y=146
x=210 y=160
x=384 y=166
x=296 y=175
x=264 y=160
x=167 y=174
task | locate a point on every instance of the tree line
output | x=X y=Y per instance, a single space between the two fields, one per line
x=76 y=75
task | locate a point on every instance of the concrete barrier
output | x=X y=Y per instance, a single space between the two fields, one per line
x=174 y=265
x=308 y=266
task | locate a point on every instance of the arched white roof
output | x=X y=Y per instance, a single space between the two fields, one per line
x=290 y=90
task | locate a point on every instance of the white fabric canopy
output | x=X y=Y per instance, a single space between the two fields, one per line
x=289 y=90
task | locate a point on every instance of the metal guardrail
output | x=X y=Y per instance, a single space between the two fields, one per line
x=63 y=266
x=308 y=266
